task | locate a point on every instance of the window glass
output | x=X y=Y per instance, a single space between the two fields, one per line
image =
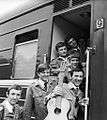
x=25 y=55
x=25 y=60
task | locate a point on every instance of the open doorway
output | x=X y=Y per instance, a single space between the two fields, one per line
x=73 y=23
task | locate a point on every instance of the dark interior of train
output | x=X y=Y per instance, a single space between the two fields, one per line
x=75 y=23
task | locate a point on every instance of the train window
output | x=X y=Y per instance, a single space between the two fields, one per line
x=25 y=55
x=28 y=36
x=5 y=63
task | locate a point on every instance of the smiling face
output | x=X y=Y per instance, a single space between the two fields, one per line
x=77 y=78
x=44 y=75
x=13 y=96
x=74 y=62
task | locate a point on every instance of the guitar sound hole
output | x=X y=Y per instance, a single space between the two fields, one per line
x=57 y=111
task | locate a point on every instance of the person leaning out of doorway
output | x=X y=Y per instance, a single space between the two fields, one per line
x=35 y=104
x=71 y=45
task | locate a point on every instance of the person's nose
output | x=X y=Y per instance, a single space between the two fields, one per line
x=79 y=79
x=63 y=50
x=15 y=96
x=46 y=73
x=75 y=62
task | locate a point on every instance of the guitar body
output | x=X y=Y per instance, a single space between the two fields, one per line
x=51 y=106
x=58 y=107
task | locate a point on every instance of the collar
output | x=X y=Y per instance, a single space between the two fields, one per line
x=63 y=58
x=8 y=106
x=41 y=83
x=36 y=83
x=71 y=85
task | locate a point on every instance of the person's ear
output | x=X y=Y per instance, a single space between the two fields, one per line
x=7 y=94
x=38 y=74
x=57 y=52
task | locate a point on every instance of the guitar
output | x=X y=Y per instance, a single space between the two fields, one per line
x=58 y=107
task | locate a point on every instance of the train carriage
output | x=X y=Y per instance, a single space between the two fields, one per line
x=38 y=27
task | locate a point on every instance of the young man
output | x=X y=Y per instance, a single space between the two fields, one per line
x=77 y=99
x=74 y=61
x=61 y=50
x=82 y=42
x=71 y=44
x=71 y=92
x=35 y=96
x=9 y=109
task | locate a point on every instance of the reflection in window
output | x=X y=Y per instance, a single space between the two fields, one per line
x=5 y=63
x=25 y=55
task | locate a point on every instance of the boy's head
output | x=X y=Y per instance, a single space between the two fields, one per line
x=71 y=42
x=14 y=94
x=54 y=65
x=77 y=77
x=74 y=60
x=61 y=49
x=43 y=72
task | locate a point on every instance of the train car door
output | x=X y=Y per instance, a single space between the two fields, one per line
x=75 y=22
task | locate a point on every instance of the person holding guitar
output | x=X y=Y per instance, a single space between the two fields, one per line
x=36 y=92
x=66 y=106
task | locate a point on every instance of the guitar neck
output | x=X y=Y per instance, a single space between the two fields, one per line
x=60 y=77
x=60 y=83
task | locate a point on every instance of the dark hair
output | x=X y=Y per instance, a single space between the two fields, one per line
x=15 y=87
x=76 y=70
x=59 y=44
x=67 y=39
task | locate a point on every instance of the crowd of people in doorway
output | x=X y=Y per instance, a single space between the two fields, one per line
x=58 y=90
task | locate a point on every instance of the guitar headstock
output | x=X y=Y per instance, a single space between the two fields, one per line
x=62 y=70
x=63 y=66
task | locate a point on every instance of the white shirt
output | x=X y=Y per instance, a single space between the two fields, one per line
x=41 y=83
x=8 y=106
x=71 y=85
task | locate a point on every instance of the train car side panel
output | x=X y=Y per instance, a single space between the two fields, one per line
x=97 y=71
